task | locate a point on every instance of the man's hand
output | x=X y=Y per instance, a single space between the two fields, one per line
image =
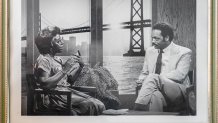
x=139 y=82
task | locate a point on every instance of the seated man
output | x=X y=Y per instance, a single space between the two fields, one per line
x=164 y=77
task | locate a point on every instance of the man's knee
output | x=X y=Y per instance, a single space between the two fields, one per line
x=152 y=81
x=172 y=91
x=153 y=76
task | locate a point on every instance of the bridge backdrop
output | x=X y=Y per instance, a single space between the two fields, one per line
x=179 y=13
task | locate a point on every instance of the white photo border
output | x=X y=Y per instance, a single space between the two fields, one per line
x=202 y=72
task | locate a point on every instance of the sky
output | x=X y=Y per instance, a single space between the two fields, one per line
x=76 y=13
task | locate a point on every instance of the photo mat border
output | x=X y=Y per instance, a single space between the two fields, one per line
x=5 y=61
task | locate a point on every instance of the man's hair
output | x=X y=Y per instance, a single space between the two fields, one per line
x=44 y=38
x=166 y=30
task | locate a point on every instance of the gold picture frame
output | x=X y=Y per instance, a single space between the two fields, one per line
x=5 y=63
x=214 y=62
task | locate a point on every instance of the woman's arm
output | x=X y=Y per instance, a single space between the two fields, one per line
x=50 y=82
x=73 y=75
x=69 y=68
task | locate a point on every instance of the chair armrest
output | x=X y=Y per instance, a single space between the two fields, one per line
x=190 y=88
x=52 y=92
x=191 y=99
x=90 y=89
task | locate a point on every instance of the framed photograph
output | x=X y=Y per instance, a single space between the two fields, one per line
x=109 y=60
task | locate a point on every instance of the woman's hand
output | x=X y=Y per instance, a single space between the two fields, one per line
x=68 y=65
x=74 y=73
x=78 y=59
x=71 y=62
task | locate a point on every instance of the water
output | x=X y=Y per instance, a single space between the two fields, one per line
x=124 y=69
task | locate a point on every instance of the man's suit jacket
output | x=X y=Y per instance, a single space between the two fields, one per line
x=178 y=67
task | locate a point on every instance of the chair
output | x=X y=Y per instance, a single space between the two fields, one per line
x=190 y=95
x=34 y=94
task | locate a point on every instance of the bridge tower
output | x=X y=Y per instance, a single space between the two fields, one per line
x=136 y=26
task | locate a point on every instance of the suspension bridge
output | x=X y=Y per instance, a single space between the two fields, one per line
x=136 y=26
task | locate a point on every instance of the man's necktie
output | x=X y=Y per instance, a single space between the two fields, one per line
x=158 y=63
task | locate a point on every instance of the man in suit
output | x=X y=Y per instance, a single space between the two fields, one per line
x=164 y=76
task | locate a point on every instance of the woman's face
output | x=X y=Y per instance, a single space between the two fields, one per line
x=57 y=44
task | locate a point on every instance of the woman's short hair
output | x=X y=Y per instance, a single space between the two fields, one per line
x=166 y=30
x=44 y=38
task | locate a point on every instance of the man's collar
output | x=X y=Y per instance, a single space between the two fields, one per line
x=168 y=47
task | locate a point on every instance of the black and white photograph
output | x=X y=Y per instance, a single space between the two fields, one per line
x=108 y=57
x=114 y=60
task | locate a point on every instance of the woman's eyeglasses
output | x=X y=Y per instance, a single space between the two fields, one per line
x=58 y=38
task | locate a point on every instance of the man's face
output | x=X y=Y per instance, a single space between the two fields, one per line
x=158 y=41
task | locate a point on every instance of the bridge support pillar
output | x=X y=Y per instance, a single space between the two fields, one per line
x=136 y=31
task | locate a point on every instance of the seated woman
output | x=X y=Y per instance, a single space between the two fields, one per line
x=51 y=73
